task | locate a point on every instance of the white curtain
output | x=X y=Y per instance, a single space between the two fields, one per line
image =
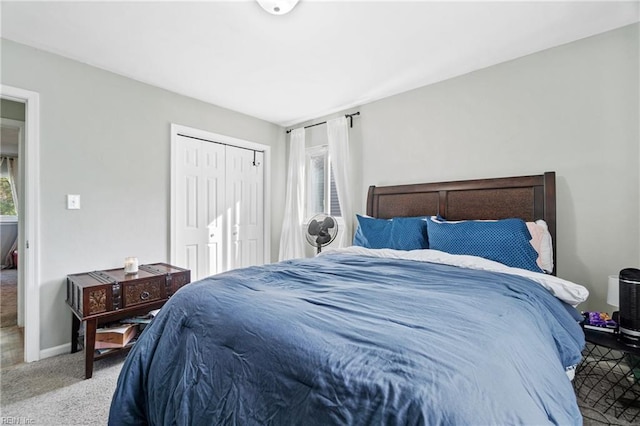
x=12 y=166
x=338 y=135
x=13 y=176
x=292 y=239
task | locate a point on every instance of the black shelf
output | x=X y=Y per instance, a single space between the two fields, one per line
x=608 y=378
x=610 y=340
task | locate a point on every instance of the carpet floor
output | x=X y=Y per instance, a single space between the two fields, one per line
x=8 y=297
x=53 y=392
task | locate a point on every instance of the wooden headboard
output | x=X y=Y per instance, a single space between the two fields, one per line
x=526 y=197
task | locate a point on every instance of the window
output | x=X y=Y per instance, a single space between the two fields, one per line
x=322 y=195
x=7 y=208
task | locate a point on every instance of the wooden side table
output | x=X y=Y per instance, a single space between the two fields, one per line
x=101 y=297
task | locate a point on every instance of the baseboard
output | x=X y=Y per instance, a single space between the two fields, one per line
x=56 y=350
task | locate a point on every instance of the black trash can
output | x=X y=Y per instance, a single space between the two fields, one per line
x=629 y=282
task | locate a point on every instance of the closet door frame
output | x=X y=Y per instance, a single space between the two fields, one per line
x=177 y=129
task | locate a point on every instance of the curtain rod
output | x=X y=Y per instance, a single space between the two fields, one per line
x=221 y=143
x=349 y=116
x=227 y=144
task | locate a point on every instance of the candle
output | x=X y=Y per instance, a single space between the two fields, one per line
x=130 y=265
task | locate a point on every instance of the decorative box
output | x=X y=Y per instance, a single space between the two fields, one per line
x=97 y=292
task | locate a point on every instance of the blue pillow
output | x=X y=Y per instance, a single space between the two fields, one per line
x=506 y=241
x=399 y=233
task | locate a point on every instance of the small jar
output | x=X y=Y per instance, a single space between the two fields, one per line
x=130 y=265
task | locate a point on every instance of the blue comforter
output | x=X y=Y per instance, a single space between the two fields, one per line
x=354 y=340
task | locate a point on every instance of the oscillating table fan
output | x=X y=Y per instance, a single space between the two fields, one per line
x=321 y=230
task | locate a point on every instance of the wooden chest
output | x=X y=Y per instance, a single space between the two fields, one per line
x=95 y=293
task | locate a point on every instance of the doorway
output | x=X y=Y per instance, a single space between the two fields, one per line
x=11 y=289
x=219 y=202
x=28 y=247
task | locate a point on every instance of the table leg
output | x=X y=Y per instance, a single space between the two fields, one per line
x=89 y=347
x=75 y=326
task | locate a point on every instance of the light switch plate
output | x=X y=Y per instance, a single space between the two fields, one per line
x=73 y=202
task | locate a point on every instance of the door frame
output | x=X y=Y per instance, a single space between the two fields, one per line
x=177 y=129
x=29 y=240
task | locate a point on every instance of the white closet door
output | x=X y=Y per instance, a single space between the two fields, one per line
x=245 y=200
x=219 y=196
x=214 y=206
x=200 y=199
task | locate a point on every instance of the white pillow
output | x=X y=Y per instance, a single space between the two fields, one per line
x=541 y=242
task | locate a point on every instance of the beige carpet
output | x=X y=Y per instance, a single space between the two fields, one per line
x=8 y=297
x=53 y=391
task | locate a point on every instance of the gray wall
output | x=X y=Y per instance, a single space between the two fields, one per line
x=571 y=109
x=107 y=138
x=12 y=110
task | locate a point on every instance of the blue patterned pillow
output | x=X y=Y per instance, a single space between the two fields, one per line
x=399 y=233
x=505 y=241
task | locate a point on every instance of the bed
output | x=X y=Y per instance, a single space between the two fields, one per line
x=363 y=335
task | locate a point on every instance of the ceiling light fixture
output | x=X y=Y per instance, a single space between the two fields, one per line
x=278 y=7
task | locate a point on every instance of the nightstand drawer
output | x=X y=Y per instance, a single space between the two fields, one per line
x=144 y=291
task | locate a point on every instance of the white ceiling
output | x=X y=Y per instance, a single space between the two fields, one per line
x=321 y=58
